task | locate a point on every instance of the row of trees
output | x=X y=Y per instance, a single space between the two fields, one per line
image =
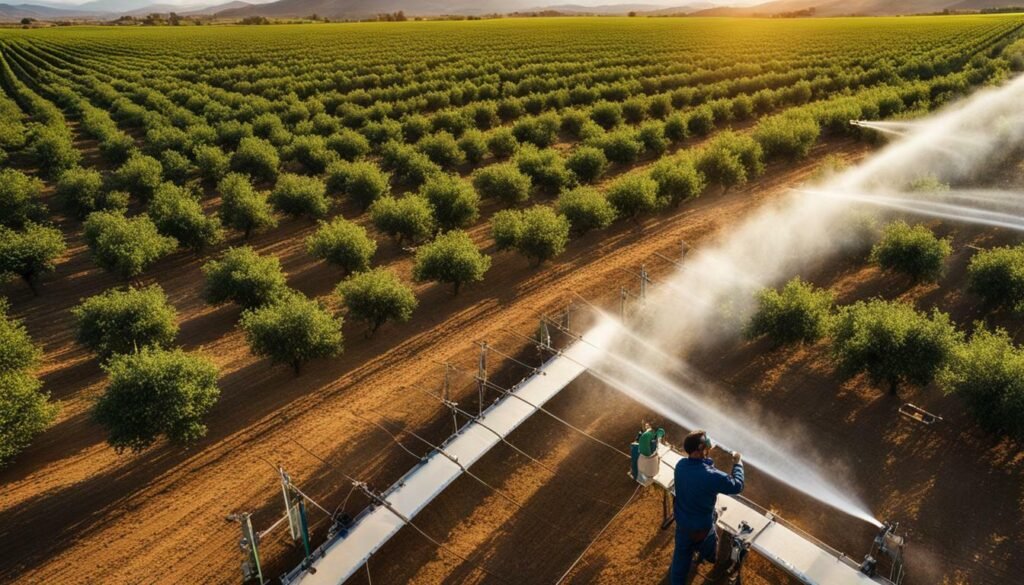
x=25 y=410
x=154 y=389
x=894 y=344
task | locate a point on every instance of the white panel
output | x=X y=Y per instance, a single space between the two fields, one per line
x=417 y=488
x=794 y=553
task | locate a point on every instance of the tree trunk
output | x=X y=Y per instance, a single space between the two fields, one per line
x=248 y=232
x=457 y=286
x=894 y=385
x=297 y=367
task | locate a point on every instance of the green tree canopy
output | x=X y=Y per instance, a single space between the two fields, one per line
x=798 y=313
x=212 y=162
x=125 y=246
x=242 y=207
x=25 y=411
x=17 y=351
x=633 y=194
x=377 y=296
x=348 y=144
x=442 y=149
x=545 y=167
x=587 y=163
x=82 y=192
x=507 y=228
x=362 y=182
x=140 y=176
x=29 y=252
x=177 y=213
x=538 y=233
x=789 y=135
x=451 y=258
x=53 y=150
x=997 y=276
x=409 y=165
x=503 y=181
x=455 y=202
x=342 y=243
x=987 y=373
x=156 y=392
x=731 y=159
x=409 y=218
x=299 y=195
x=678 y=180
x=257 y=158
x=914 y=251
x=892 y=342
x=125 y=320
x=292 y=330
x=243 y=276
x=586 y=209
x=19 y=198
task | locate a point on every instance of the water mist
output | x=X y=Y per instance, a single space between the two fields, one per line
x=712 y=294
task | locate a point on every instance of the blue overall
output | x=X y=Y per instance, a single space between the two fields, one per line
x=698 y=484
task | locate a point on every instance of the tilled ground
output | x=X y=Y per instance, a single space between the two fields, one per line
x=73 y=511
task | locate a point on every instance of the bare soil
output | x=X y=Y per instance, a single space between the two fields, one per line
x=74 y=511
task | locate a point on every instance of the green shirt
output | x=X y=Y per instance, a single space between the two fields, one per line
x=648 y=441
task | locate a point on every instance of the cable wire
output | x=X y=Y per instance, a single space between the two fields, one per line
x=387 y=505
x=484 y=483
x=598 y=536
x=508 y=392
x=478 y=421
x=535 y=369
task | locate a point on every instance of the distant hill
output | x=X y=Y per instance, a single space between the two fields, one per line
x=358 y=9
x=980 y=4
x=114 y=6
x=849 y=7
x=646 y=9
x=14 y=13
x=367 y=8
x=209 y=10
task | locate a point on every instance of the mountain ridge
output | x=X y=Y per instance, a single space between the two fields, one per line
x=361 y=9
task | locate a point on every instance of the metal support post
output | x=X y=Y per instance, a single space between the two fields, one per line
x=668 y=515
x=249 y=544
x=644 y=280
x=446 y=395
x=305 y=534
x=543 y=335
x=481 y=378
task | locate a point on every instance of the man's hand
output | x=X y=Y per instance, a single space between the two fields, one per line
x=737 y=457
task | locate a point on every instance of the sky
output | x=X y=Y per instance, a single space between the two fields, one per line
x=133 y=3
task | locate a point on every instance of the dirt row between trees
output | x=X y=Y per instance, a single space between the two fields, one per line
x=957 y=490
x=74 y=511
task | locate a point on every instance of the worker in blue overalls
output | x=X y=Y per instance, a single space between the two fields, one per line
x=697 y=485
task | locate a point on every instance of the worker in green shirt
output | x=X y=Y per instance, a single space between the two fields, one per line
x=648 y=439
x=644 y=453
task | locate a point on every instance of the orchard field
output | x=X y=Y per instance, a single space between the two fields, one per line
x=220 y=240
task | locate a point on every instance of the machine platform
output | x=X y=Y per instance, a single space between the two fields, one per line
x=799 y=554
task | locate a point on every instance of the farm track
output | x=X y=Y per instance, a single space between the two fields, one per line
x=117 y=517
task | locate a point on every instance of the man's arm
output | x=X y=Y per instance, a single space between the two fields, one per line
x=730 y=485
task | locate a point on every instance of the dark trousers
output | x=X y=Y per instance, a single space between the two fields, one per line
x=687 y=544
